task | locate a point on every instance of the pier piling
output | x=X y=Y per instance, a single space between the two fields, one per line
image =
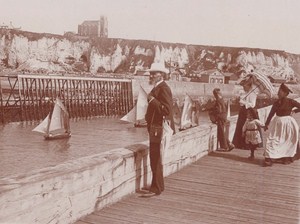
x=82 y=96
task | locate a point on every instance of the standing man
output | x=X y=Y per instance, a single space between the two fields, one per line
x=160 y=107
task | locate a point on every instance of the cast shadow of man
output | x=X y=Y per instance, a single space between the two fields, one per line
x=141 y=152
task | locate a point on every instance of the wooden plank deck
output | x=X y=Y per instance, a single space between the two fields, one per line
x=219 y=188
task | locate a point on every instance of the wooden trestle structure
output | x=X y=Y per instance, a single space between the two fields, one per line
x=25 y=97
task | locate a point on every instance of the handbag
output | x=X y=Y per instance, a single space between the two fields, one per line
x=155 y=133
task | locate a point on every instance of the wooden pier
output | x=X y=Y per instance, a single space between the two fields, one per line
x=219 y=188
x=27 y=97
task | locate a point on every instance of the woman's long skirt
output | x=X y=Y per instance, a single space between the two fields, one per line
x=283 y=138
x=238 y=140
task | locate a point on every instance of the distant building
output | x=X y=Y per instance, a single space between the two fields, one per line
x=175 y=75
x=194 y=76
x=69 y=34
x=3 y=27
x=94 y=28
x=227 y=77
x=231 y=78
x=212 y=76
x=11 y=27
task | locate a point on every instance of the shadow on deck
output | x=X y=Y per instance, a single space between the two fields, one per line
x=219 y=188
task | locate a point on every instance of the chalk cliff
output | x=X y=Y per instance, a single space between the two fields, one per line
x=27 y=51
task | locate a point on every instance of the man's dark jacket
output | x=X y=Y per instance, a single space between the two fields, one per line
x=161 y=106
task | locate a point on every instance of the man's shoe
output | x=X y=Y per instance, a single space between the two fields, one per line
x=149 y=194
x=231 y=147
x=251 y=157
x=146 y=188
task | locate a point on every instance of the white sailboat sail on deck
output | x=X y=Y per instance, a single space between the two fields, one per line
x=186 y=115
x=56 y=124
x=228 y=109
x=137 y=114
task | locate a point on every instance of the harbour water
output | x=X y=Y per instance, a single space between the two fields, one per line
x=22 y=150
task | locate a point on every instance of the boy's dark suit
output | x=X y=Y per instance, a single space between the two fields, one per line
x=158 y=108
x=221 y=121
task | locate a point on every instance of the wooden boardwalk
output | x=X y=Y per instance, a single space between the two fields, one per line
x=218 y=188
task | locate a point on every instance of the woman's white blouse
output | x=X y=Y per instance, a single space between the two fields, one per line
x=248 y=99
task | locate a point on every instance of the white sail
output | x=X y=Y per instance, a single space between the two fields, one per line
x=60 y=117
x=65 y=116
x=141 y=104
x=55 y=125
x=130 y=116
x=56 y=121
x=43 y=126
x=137 y=113
x=61 y=105
x=228 y=109
x=186 y=116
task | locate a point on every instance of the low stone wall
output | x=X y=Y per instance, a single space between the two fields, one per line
x=64 y=193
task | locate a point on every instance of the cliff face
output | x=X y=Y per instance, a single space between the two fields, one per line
x=25 y=51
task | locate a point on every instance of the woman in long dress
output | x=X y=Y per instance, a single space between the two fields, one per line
x=247 y=100
x=284 y=131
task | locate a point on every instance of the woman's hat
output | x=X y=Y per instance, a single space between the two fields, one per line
x=158 y=67
x=285 y=89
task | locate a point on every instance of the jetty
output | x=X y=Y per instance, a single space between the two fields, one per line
x=26 y=97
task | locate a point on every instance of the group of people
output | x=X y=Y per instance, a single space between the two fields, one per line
x=281 y=142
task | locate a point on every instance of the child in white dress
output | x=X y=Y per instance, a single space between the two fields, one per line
x=251 y=132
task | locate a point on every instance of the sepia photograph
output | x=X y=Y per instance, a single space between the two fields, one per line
x=149 y=111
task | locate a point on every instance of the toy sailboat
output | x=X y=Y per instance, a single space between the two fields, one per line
x=228 y=109
x=186 y=120
x=57 y=124
x=137 y=114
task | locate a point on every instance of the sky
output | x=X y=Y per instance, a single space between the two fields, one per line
x=266 y=24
